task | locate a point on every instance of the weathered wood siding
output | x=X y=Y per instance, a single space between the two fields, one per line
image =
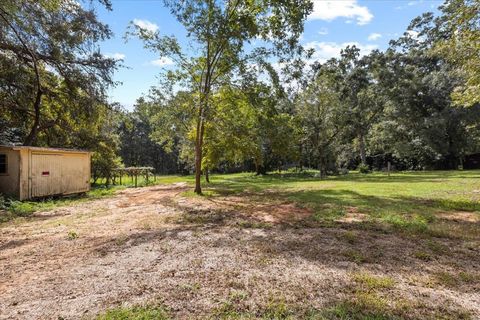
x=10 y=181
x=55 y=173
x=40 y=172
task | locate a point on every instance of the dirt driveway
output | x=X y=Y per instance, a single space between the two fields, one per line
x=198 y=256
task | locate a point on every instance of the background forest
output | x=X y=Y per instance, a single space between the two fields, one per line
x=415 y=105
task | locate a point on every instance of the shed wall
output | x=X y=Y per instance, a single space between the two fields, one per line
x=9 y=182
x=39 y=172
x=24 y=183
x=55 y=173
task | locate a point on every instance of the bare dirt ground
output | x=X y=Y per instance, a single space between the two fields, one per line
x=197 y=255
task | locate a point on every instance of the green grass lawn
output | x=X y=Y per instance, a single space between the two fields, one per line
x=408 y=201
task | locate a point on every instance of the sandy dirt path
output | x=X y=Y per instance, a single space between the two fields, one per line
x=151 y=245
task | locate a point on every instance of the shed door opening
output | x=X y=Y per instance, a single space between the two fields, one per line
x=46 y=174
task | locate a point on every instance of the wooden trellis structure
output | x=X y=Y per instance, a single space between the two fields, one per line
x=133 y=173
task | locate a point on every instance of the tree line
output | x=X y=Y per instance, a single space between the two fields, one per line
x=244 y=94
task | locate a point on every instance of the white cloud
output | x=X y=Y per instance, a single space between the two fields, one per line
x=326 y=50
x=414 y=3
x=323 y=31
x=164 y=61
x=145 y=24
x=374 y=36
x=413 y=34
x=117 y=56
x=330 y=9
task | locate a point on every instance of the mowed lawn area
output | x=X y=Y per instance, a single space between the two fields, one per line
x=281 y=246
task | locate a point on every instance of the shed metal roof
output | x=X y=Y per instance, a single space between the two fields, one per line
x=44 y=149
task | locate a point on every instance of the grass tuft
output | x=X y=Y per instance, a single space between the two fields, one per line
x=135 y=313
x=372 y=282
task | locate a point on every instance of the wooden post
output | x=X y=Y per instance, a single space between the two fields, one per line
x=136 y=175
x=388 y=168
x=147 y=175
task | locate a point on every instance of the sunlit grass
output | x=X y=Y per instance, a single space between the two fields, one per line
x=408 y=201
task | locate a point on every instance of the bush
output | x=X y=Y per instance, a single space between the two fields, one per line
x=3 y=203
x=363 y=168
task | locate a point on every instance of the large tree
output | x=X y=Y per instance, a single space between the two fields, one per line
x=322 y=116
x=222 y=33
x=51 y=66
x=459 y=42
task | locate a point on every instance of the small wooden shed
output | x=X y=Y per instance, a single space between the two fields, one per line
x=33 y=172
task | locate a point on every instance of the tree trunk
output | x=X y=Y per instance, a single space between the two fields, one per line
x=198 y=153
x=322 y=169
x=207 y=178
x=262 y=170
x=363 y=153
x=32 y=136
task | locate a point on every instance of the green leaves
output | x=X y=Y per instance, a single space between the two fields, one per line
x=52 y=66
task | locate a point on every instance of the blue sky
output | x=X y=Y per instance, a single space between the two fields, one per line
x=332 y=26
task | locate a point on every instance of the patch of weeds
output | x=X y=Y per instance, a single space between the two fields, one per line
x=236 y=285
x=329 y=214
x=193 y=288
x=72 y=235
x=468 y=277
x=231 y=310
x=103 y=191
x=437 y=247
x=471 y=245
x=413 y=224
x=194 y=216
x=355 y=256
x=264 y=261
x=453 y=280
x=440 y=231
x=277 y=309
x=205 y=194
x=364 y=306
x=421 y=255
x=350 y=236
x=121 y=240
x=15 y=209
x=238 y=295
x=22 y=208
x=12 y=209
x=254 y=224
x=459 y=205
x=135 y=313
x=146 y=225
x=372 y=282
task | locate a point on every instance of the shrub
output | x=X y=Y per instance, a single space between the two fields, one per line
x=3 y=203
x=363 y=168
x=72 y=235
